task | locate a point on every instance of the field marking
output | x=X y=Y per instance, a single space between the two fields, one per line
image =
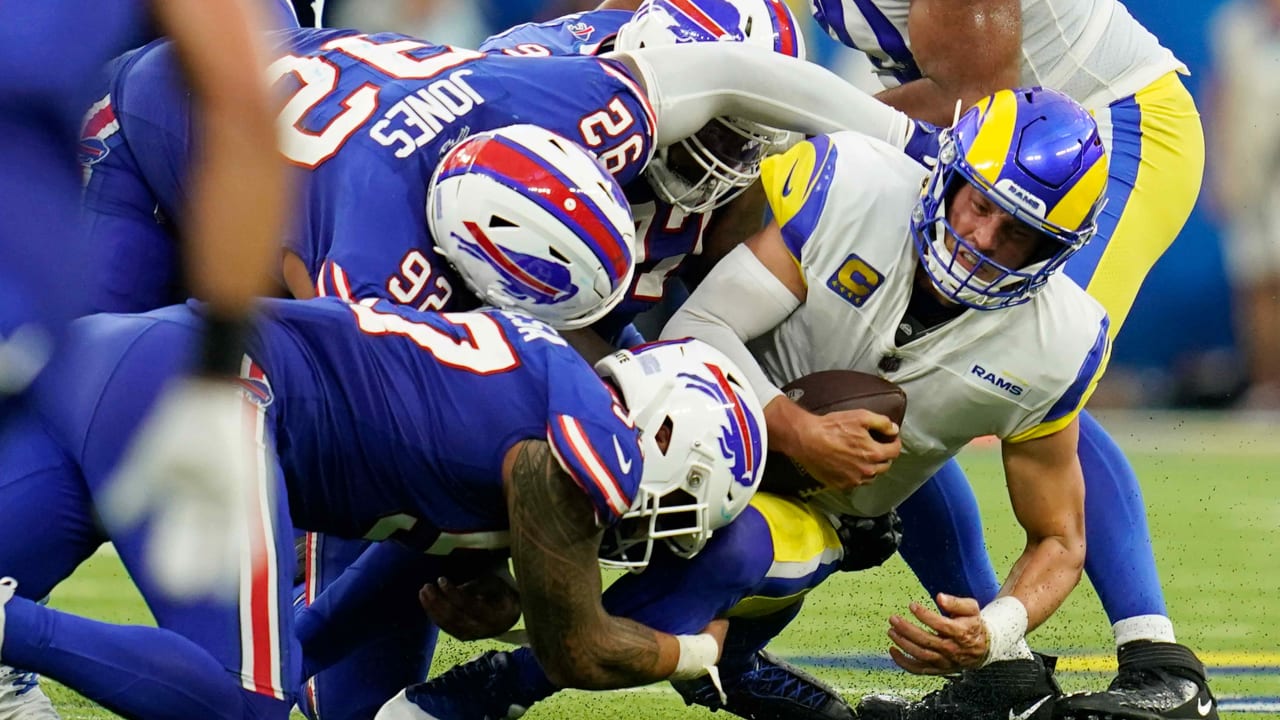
x=1219 y=662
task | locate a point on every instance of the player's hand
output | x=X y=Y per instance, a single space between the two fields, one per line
x=189 y=471
x=482 y=608
x=847 y=448
x=868 y=542
x=945 y=645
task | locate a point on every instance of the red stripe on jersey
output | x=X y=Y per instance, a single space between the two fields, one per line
x=596 y=470
x=99 y=118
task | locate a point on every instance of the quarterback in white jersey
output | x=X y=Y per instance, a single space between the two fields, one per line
x=1018 y=374
x=951 y=292
x=931 y=54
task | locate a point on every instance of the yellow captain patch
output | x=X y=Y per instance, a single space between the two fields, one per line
x=855 y=280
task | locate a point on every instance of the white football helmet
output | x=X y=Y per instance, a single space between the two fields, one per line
x=689 y=394
x=533 y=222
x=715 y=164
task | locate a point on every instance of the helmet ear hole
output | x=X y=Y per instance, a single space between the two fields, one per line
x=663 y=435
x=497 y=221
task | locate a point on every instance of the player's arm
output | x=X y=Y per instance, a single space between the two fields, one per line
x=1046 y=488
x=966 y=49
x=555 y=541
x=240 y=194
x=770 y=88
x=749 y=293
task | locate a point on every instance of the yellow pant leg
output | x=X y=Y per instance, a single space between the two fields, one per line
x=1157 y=163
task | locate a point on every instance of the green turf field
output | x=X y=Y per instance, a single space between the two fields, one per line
x=1211 y=489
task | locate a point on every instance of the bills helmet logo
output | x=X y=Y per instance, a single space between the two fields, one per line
x=257 y=391
x=740 y=435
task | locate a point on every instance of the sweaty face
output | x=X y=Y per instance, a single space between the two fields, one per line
x=990 y=230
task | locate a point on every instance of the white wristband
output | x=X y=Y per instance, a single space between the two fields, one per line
x=1006 y=621
x=698 y=654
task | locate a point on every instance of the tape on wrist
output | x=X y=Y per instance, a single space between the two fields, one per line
x=698 y=654
x=1006 y=621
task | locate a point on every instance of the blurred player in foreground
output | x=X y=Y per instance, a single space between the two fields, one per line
x=235 y=213
x=949 y=292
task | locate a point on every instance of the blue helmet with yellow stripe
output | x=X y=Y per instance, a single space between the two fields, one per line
x=1036 y=154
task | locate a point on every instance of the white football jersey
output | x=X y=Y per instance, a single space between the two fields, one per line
x=1092 y=50
x=844 y=204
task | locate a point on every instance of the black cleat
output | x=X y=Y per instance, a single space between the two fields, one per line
x=1005 y=690
x=766 y=688
x=480 y=689
x=1156 y=681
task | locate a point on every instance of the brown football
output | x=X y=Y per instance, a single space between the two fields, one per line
x=821 y=393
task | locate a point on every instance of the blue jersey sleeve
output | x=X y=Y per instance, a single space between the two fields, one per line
x=577 y=34
x=595 y=443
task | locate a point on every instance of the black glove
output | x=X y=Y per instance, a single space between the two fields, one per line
x=868 y=541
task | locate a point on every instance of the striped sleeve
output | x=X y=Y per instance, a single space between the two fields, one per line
x=1072 y=401
x=796 y=185
x=605 y=464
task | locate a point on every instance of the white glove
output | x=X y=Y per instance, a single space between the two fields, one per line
x=191 y=470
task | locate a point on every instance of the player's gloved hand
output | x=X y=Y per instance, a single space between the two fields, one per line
x=868 y=542
x=922 y=143
x=189 y=471
x=846 y=448
x=481 y=608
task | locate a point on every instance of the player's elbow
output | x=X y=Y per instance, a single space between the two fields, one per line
x=573 y=663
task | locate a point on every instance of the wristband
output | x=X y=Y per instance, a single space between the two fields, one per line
x=222 y=346
x=1006 y=621
x=698 y=653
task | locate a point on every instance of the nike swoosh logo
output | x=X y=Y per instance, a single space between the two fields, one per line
x=1026 y=714
x=786 y=184
x=1204 y=706
x=624 y=462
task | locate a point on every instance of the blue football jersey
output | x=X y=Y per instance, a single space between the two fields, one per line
x=665 y=235
x=367 y=120
x=394 y=423
x=584 y=33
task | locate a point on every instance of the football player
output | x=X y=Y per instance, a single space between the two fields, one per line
x=953 y=293
x=436 y=432
x=680 y=205
x=51 y=54
x=931 y=53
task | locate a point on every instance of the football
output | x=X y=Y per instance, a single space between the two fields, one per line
x=821 y=393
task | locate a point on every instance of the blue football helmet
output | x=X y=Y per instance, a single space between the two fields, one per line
x=1037 y=155
x=723 y=158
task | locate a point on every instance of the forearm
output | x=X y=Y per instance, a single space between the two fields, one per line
x=239 y=185
x=738 y=301
x=925 y=99
x=1045 y=574
x=769 y=88
x=236 y=217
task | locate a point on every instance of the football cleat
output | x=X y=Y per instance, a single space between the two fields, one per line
x=20 y=694
x=766 y=688
x=1156 y=680
x=475 y=690
x=1005 y=690
x=21 y=697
